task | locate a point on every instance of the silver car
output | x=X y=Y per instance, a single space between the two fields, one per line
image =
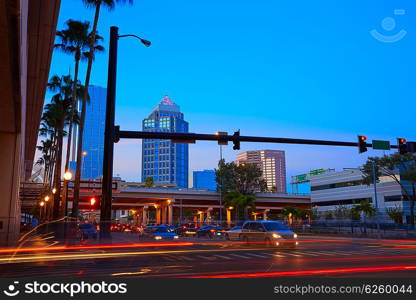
x=272 y=233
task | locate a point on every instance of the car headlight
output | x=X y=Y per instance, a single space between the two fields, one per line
x=175 y=237
x=295 y=236
x=158 y=237
x=276 y=236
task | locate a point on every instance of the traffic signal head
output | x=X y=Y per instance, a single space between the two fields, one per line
x=237 y=141
x=401 y=142
x=362 y=144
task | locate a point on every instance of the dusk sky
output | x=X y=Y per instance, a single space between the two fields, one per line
x=299 y=69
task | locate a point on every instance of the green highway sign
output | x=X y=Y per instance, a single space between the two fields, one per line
x=381 y=145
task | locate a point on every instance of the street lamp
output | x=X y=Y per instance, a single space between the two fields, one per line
x=68 y=176
x=54 y=191
x=110 y=130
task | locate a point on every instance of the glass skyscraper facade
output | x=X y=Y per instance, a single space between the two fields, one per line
x=204 y=180
x=93 y=139
x=162 y=160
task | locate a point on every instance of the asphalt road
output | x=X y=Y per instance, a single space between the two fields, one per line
x=315 y=256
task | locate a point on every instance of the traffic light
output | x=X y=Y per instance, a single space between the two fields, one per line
x=362 y=145
x=92 y=201
x=236 y=142
x=401 y=142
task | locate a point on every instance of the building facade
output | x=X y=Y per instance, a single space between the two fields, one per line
x=204 y=180
x=345 y=188
x=93 y=139
x=273 y=166
x=163 y=160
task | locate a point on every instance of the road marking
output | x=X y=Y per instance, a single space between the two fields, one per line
x=256 y=255
x=206 y=257
x=185 y=258
x=240 y=256
x=293 y=254
x=278 y=255
x=223 y=257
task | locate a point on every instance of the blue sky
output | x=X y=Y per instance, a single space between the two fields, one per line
x=304 y=69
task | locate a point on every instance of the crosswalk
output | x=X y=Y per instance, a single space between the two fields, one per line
x=259 y=255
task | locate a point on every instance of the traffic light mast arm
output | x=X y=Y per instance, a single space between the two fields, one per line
x=213 y=137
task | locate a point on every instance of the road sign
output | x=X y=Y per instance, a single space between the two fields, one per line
x=381 y=145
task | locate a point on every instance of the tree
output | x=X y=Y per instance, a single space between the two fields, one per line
x=366 y=209
x=96 y=4
x=291 y=213
x=149 y=182
x=396 y=214
x=401 y=168
x=241 y=203
x=56 y=114
x=75 y=40
x=244 y=178
x=341 y=211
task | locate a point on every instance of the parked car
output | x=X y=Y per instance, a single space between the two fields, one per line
x=87 y=230
x=272 y=233
x=209 y=231
x=158 y=233
x=233 y=234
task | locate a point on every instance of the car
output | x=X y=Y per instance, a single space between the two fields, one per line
x=158 y=233
x=233 y=234
x=209 y=231
x=186 y=229
x=272 y=233
x=87 y=230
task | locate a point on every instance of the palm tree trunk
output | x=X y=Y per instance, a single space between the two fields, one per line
x=74 y=98
x=83 y=110
x=69 y=138
x=58 y=165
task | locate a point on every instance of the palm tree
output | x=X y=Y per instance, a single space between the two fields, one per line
x=75 y=40
x=57 y=113
x=110 y=4
x=291 y=213
x=367 y=209
x=241 y=203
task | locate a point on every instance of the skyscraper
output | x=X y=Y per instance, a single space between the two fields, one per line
x=93 y=139
x=204 y=180
x=164 y=161
x=273 y=165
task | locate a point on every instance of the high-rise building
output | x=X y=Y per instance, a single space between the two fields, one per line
x=204 y=180
x=93 y=138
x=164 y=161
x=273 y=166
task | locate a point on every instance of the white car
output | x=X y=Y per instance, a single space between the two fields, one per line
x=233 y=234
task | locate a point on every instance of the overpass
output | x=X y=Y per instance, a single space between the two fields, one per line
x=171 y=204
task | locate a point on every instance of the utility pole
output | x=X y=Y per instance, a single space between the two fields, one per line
x=109 y=138
x=375 y=198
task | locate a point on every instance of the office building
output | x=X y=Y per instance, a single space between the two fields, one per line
x=345 y=188
x=273 y=166
x=163 y=160
x=204 y=180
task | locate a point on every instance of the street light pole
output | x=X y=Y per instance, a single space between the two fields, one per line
x=220 y=190
x=105 y=215
x=109 y=136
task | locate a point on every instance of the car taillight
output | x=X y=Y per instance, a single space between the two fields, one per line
x=212 y=230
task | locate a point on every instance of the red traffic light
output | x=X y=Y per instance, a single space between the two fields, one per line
x=92 y=201
x=363 y=138
x=402 y=140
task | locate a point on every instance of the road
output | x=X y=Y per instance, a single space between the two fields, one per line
x=315 y=256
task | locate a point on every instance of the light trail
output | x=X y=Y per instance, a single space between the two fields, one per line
x=76 y=256
x=309 y=272
x=89 y=247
